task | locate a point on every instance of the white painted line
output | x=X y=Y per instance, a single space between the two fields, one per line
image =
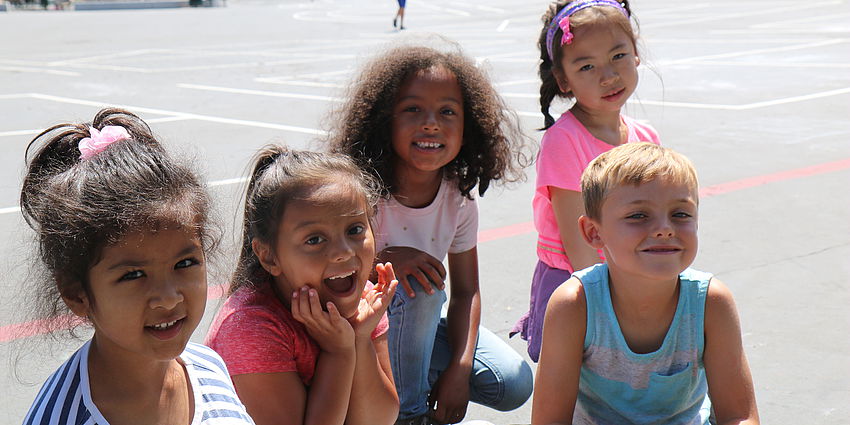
x=107 y=56
x=516 y=82
x=443 y=9
x=795 y=99
x=715 y=106
x=299 y=83
x=775 y=64
x=19 y=133
x=222 y=120
x=760 y=12
x=797 y=21
x=491 y=9
x=226 y=182
x=757 y=51
x=259 y=92
x=216 y=183
x=15 y=96
x=39 y=70
x=167 y=119
x=503 y=25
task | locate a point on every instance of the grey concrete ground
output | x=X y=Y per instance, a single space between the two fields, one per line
x=757 y=93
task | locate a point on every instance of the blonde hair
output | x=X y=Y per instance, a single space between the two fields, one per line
x=633 y=164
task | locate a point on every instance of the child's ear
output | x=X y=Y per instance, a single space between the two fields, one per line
x=561 y=79
x=78 y=303
x=637 y=61
x=266 y=256
x=590 y=232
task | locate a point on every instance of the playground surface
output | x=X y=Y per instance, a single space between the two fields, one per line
x=756 y=93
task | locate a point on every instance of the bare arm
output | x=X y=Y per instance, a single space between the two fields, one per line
x=729 y=381
x=557 y=378
x=451 y=391
x=373 y=394
x=568 y=207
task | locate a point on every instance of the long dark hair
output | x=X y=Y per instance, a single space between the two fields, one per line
x=79 y=206
x=278 y=176
x=550 y=66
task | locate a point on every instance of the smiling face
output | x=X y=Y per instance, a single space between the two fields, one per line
x=146 y=294
x=599 y=68
x=427 y=124
x=324 y=242
x=648 y=231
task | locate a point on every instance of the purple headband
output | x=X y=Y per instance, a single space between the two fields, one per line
x=562 y=21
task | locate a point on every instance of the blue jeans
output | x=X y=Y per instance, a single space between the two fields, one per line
x=419 y=352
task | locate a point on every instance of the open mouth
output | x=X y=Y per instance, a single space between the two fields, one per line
x=428 y=145
x=341 y=284
x=166 y=330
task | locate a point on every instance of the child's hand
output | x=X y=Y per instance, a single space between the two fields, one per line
x=413 y=262
x=330 y=330
x=374 y=302
x=450 y=393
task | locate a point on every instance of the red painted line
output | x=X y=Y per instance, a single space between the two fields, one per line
x=732 y=186
x=38 y=327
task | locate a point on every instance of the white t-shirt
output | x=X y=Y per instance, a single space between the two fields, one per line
x=448 y=225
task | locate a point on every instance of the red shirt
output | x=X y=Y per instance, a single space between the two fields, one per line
x=255 y=333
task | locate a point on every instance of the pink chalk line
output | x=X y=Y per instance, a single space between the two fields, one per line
x=38 y=327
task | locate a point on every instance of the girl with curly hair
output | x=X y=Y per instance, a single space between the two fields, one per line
x=431 y=127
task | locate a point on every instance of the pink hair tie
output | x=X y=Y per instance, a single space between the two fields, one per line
x=567 y=38
x=99 y=140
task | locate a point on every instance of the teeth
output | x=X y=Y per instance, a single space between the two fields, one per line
x=429 y=145
x=342 y=275
x=162 y=326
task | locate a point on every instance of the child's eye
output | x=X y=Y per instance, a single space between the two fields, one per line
x=188 y=262
x=410 y=109
x=133 y=275
x=586 y=68
x=356 y=229
x=314 y=240
x=636 y=216
x=448 y=111
x=619 y=56
x=681 y=214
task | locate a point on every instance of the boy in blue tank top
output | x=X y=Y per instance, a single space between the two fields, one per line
x=642 y=338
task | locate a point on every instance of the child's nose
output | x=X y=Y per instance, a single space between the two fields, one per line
x=343 y=250
x=429 y=122
x=665 y=229
x=609 y=75
x=166 y=295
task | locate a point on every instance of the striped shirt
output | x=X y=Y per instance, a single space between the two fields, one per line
x=65 y=397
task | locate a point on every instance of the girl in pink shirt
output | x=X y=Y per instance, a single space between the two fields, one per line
x=589 y=54
x=303 y=332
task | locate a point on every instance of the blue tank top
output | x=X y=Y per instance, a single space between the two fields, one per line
x=667 y=386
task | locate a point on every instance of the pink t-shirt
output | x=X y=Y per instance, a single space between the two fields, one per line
x=255 y=333
x=565 y=151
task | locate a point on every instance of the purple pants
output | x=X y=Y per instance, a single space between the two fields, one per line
x=530 y=326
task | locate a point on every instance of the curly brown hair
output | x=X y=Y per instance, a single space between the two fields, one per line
x=550 y=66
x=493 y=146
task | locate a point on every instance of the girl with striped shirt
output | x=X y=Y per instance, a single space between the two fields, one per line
x=123 y=236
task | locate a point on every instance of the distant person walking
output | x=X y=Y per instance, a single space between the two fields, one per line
x=398 y=20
